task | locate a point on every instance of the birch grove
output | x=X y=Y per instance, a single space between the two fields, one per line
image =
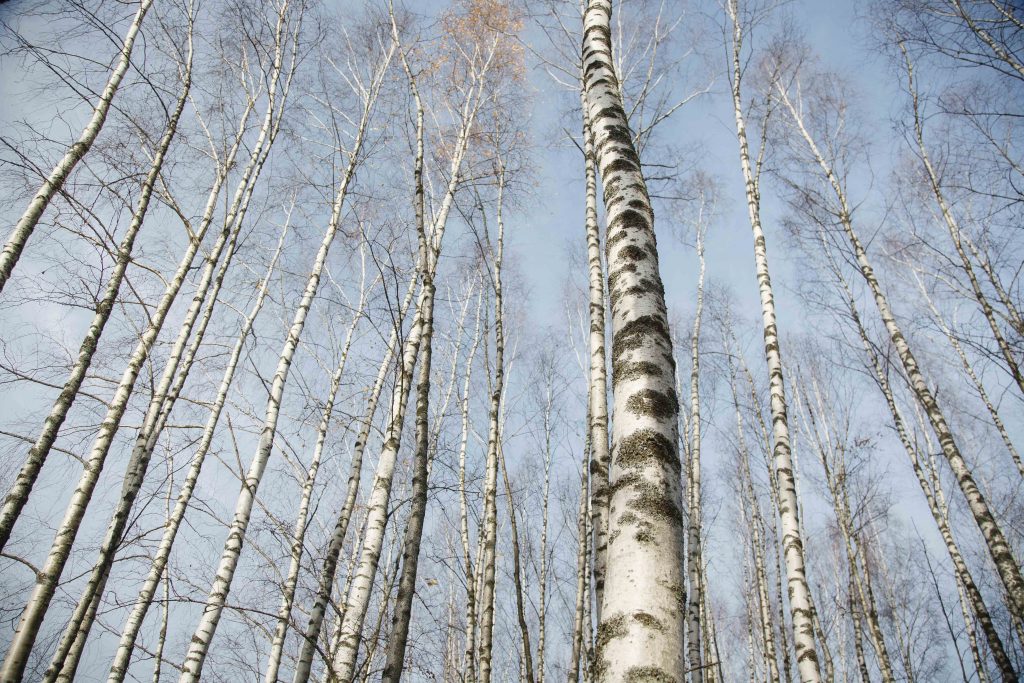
x=332 y=349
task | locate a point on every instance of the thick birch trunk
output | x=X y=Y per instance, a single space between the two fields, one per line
x=1002 y=556
x=55 y=181
x=641 y=629
x=788 y=507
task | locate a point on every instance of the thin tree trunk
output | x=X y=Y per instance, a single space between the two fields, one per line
x=644 y=597
x=469 y=660
x=542 y=579
x=792 y=541
x=597 y=391
x=19 y=493
x=207 y=627
x=694 y=554
x=398 y=638
x=377 y=506
x=302 y=518
x=975 y=380
x=55 y=181
x=756 y=523
x=46 y=583
x=581 y=572
x=490 y=523
x=932 y=490
x=830 y=457
x=526 y=665
x=130 y=631
x=1006 y=565
x=1012 y=366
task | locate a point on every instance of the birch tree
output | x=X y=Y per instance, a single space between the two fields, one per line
x=998 y=547
x=207 y=627
x=644 y=586
x=788 y=505
x=54 y=181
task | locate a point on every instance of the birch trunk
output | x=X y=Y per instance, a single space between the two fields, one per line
x=1002 y=556
x=302 y=518
x=397 y=640
x=694 y=555
x=526 y=662
x=19 y=493
x=32 y=616
x=597 y=391
x=377 y=506
x=931 y=489
x=829 y=455
x=953 y=227
x=788 y=505
x=756 y=523
x=55 y=181
x=325 y=584
x=489 y=537
x=65 y=660
x=975 y=380
x=469 y=661
x=176 y=372
x=158 y=567
x=640 y=633
x=542 y=579
x=207 y=627
x=581 y=574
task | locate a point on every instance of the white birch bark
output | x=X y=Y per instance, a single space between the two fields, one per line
x=19 y=493
x=158 y=567
x=55 y=180
x=176 y=371
x=325 y=585
x=597 y=391
x=830 y=456
x=46 y=582
x=488 y=539
x=694 y=554
x=377 y=505
x=929 y=486
x=1000 y=551
x=757 y=542
x=788 y=504
x=207 y=627
x=640 y=633
x=302 y=517
x=469 y=660
x=581 y=574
